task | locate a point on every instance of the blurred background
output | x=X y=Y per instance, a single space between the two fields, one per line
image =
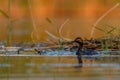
x=50 y=14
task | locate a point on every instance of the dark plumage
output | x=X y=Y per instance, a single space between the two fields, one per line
x=79 y=41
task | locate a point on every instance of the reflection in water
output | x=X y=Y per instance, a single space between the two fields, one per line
x=58 y=68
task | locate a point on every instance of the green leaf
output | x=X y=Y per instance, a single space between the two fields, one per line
x=100 y=29
x=4 y=14
x=109 y=26
x=111 y=30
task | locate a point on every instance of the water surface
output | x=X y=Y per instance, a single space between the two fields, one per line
x=37 y=67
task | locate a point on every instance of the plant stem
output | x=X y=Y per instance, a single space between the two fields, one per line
x=9 y=6
x=33 y=23
x=101 y=17
x=10 y=30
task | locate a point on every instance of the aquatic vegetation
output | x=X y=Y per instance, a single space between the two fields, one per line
x=101 y=17
x=60 y=31
x=59 y=39
x=7 y=15
x=56 y=61
x=33 y=23
x=106 y=42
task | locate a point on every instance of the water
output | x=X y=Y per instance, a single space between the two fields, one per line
x=37 y=67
